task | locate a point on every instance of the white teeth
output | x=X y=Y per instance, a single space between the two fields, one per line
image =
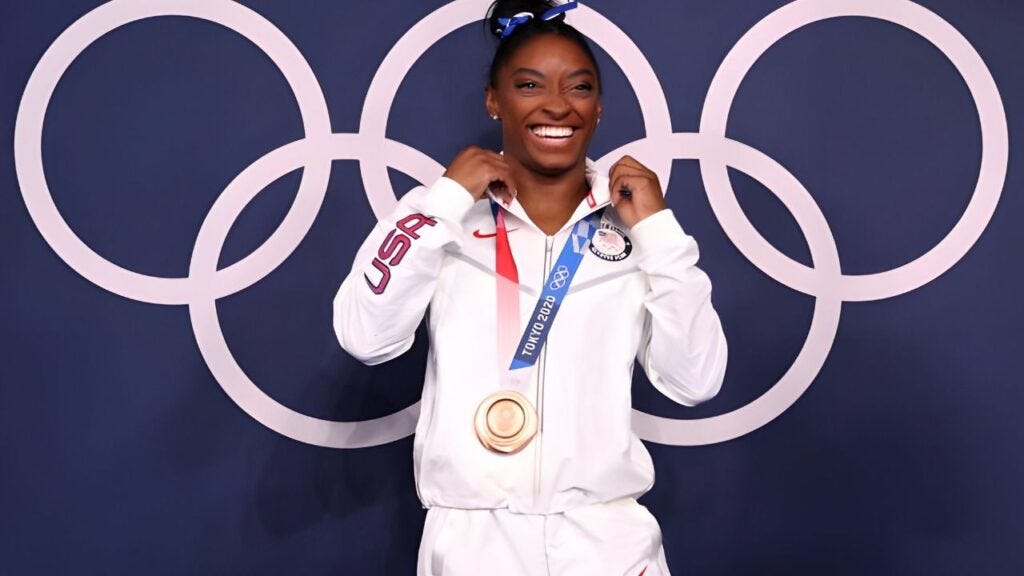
x=552 y=131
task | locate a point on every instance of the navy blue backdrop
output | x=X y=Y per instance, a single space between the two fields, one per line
x=121 y=453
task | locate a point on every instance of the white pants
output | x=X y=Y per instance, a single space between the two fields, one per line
x=619 y=538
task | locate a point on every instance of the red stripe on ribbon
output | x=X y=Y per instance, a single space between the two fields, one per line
x=508 y=298
x=504 y=263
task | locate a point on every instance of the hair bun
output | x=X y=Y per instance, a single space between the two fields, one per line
x=511 y=8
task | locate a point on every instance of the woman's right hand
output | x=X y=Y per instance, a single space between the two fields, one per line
x=478 y=169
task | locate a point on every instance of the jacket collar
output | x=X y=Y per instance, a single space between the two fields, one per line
x=598 y=198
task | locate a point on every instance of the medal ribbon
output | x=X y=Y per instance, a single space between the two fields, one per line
x=508 y=294
x=555 y=289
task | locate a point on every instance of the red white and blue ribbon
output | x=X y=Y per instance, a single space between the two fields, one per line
x=556 y=286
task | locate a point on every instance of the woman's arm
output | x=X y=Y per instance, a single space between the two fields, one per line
x=384 y=297
x=683 y=349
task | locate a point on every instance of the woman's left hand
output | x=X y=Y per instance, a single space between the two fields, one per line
x=635 y=191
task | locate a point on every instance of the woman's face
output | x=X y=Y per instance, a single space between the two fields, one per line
x=547 y=97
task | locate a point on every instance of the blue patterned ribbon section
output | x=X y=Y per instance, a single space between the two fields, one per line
x=555 y=288
x=508 y=25
x=560 y=9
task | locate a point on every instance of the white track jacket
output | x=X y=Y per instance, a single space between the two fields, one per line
x=643 y=299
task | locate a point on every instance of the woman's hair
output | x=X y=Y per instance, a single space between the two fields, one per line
x=508 y=43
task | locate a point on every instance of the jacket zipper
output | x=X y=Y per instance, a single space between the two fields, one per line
x=541 y=368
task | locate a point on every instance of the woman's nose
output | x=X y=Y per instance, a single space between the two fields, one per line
x=557 y=105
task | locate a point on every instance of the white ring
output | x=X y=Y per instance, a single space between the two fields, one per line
x=32 y=112
x=427 y=31
x=827 y=308
x=994 y=148
x=203 y=309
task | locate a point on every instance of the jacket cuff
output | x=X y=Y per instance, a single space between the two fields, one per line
x=447 y=200
x=658 y=238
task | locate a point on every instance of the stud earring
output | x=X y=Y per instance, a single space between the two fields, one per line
x=494 y=117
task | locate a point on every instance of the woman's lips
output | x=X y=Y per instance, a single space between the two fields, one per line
x=553 y=136
x=547 y=131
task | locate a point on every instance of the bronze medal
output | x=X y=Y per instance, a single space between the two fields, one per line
x=505 y=422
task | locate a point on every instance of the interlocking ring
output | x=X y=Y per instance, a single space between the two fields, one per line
x=314 y=153
x=558 y=278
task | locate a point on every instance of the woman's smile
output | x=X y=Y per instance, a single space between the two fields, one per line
x=556 y=132
x=555 y=137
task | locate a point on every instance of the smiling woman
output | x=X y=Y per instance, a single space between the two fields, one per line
x=546 y=96
x=524 y=451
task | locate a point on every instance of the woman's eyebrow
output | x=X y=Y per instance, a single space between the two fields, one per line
x=581 y=72
x=528 y=71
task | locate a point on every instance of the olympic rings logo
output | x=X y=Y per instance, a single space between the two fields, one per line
x=558 y=278
x=314 y=153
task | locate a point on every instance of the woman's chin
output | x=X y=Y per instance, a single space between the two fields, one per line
x=555 y=164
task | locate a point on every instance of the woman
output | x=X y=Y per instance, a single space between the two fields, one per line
x=524 y=452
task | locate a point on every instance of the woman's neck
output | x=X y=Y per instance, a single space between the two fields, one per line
x=550 y=201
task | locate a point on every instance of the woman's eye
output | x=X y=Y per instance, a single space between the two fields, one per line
x=584 y=87
x=526 y=84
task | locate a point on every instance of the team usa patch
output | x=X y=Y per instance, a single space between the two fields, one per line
x=394 y=247
x=610 y=243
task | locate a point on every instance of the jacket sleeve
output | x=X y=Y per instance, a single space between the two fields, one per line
x=682 y=349
x=383 y=299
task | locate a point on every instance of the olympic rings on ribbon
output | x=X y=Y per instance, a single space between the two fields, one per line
x=559 y=278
